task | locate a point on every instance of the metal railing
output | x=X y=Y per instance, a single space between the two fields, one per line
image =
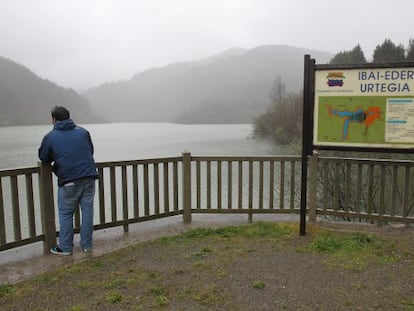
x=140 y=190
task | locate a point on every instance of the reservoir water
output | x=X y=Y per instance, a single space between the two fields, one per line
x=131 y=141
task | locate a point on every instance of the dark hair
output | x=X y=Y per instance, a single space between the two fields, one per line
x=60 y=113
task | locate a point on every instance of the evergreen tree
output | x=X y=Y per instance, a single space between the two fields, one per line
x=410 y=50
x=354 y=56
x=388 y=52
x=339 y=58
x=357 y=55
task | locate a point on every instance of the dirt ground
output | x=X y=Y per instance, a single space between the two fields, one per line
x=220 y=273
x=22 y=263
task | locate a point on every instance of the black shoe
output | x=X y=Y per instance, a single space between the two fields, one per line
x=58 y=251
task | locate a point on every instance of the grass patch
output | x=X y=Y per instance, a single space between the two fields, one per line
x=114 y=298
x=97 y=264
x=160 y=296
x=409 y=303
x=114 y=283
x=84 y=284
x=161 y=300
x=331 y=242
x=353 y=251
x=258 y=284
x=6 y=290
x=46 y=278
x=261 y=229
x=156 y=290
x=325 y=244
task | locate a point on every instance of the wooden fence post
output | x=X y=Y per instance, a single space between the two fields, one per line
x=47 y=206
x=187 y=187
x=313 y=172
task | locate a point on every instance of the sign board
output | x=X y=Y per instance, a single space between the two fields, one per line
x=359 y=107
x=371 y=107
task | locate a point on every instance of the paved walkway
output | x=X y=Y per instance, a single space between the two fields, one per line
x=25 y=262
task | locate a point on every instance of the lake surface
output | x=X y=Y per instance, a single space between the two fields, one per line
x=131 y=141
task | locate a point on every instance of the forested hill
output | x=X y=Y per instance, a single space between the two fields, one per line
x=26 y=99
x=232 y=87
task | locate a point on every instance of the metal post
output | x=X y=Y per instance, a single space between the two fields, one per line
x=47 y=206
x=307 y=133
x=302 y=225
x=187 y=187
x=313 y=171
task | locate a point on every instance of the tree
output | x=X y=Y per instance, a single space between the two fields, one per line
x=410 y=50
x=354 y=56
x=278 y=90
x=283 y=119
x=388 y=52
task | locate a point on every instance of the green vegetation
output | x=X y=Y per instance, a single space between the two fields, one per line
x=354 y=251
x=389 y=52
x=114 y=298
x=234 y=268
x=6 y=289
x=114 y=283
x=354 y=56
x=256 y=230
x=160 y=296
x=410 y=51
x=385 y=52
x=282 y=122
x=258 y=284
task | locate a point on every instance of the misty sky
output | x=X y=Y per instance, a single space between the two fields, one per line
x=82 y=43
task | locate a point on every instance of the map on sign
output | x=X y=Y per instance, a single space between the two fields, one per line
x=351 y=119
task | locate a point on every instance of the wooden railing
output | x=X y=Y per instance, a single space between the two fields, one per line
x=140 y=190
x=19 y=201
x=373 y=190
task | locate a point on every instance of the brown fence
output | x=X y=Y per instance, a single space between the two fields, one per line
x=140 y=190
x=368 y=190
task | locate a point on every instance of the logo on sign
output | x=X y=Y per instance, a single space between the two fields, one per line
x=335 y=79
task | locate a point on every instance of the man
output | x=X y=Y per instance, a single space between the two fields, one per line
x=69 y=147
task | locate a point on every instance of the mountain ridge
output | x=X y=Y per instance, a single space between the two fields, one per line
x=231 y=87
x=27 y=99
x=228 y=87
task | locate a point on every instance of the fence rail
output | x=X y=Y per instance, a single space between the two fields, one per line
x=364 y=189
x=135 y=191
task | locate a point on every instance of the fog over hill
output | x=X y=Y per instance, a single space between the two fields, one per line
x=26 y=99
x=232 y=87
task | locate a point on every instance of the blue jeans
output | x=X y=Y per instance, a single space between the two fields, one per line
x=70 y=196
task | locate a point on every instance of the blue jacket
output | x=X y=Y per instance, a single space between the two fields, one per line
x=70 y=148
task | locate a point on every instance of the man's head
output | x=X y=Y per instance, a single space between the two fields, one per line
x=60 y=113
